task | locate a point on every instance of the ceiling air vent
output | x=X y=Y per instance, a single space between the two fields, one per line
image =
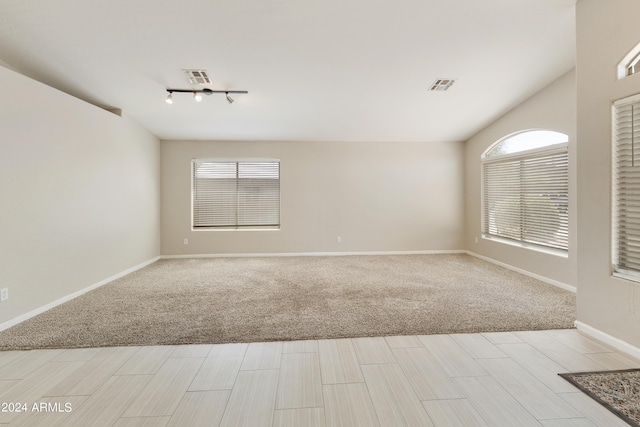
x=442 y=84
x=198 y=77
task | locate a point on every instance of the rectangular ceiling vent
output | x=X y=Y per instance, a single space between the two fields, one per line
x=198 y=77
x=442 y=84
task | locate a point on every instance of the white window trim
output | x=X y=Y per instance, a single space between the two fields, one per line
x=631 y=59
x=549 y=149
x=525 y=245
x=518 y=153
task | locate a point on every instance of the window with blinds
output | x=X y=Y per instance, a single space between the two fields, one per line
x=626 y=188
x=236 y=194
x=526 y=190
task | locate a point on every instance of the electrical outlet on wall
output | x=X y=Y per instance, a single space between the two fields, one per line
x=186 y=241
x=4 y=294
x=339 y=239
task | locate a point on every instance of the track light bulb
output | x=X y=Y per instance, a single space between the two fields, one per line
x=169 y=99
x=197 y=96
x=229 y=99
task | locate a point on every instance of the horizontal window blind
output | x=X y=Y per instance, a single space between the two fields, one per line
x=626 y=191
x=526 y=198
x=236 y=194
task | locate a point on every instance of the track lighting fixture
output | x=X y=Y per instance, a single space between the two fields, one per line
x=197 y=93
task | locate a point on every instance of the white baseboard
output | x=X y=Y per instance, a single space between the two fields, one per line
x=561 y=285
x=40 y=310
x=614 y=342
x=291 y=254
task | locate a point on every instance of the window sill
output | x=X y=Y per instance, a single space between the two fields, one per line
x=530 y=246
x=233 y=229
x=626 y=276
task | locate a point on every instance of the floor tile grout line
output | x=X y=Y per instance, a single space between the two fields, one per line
x=415 y=394
x=114 y=370
x=468 y=398
x=444 y=400
x=375 y=411
x=517 y=400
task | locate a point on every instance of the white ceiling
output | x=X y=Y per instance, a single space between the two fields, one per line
x=343 y=70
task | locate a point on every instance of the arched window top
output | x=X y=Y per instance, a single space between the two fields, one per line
x=525 y=141
x=630 y=64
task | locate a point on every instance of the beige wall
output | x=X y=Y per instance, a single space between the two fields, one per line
x=552 y=108
x=80 y=194
x=376 y=196
x=606 y=32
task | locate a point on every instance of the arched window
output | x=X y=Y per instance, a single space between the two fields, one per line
x=525 y=178
x=630 y=64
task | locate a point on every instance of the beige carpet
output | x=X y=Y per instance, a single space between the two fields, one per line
x=219 y=300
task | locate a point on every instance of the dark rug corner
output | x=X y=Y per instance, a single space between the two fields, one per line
x=618 y=391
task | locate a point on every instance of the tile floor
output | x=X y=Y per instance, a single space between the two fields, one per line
x=491 y=379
